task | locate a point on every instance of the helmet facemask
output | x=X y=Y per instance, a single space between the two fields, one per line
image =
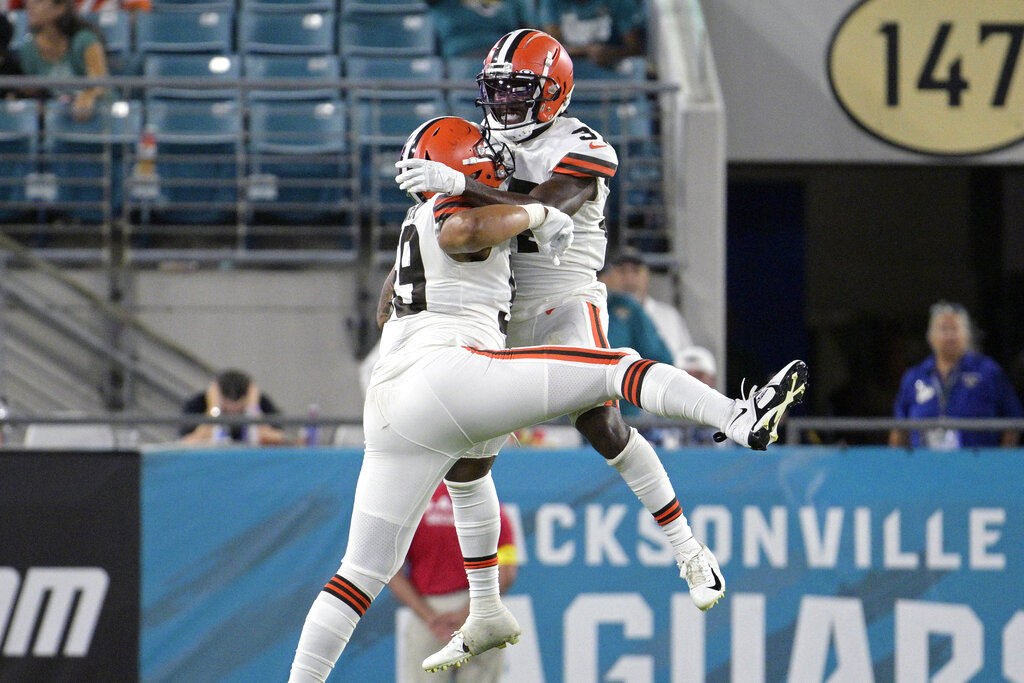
x=514 y=101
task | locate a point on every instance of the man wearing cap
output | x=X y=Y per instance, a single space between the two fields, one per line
x=629 y=326
x=634 y=278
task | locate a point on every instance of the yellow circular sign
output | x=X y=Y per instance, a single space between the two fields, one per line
x=941 y=77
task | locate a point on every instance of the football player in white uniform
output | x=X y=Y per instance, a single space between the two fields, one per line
x=525 y=86
x=445 y=386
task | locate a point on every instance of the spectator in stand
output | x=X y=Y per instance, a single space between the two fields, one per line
x=629 y=326
x=232 y=392
x=64 y=45
x=700 y=363
x=633 y=277
x=9 y=65
x=433 y=584
x=955 y=381
x=601 y=31
x=468 y=28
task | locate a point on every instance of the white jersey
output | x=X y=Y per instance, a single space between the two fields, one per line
x=441 y=302
x=571 y=147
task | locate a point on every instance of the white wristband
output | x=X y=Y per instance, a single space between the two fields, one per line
x=536 y=212
x=459 y=184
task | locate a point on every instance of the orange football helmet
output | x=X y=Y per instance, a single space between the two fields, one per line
x=526 y=83
x=460 y=145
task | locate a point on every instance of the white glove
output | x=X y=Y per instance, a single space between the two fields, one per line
x=554 y=235
x=421 y=175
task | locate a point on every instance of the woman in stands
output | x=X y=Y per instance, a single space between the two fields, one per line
x=64 y=45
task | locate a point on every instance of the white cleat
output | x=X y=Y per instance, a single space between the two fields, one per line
x=476 y=636
x=755 y=419
x=703 y=577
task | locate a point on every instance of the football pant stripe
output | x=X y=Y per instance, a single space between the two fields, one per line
x=562 y=353
x=595 y=326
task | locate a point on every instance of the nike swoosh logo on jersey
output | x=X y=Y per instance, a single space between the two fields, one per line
x=593 y=146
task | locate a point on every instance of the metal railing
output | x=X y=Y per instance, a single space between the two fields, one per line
x=795 y=427
x=138 y=429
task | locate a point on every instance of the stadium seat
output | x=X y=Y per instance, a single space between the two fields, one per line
x=19 y=130
x=383 y=6
x=205 y=31
x=299 y=151
x=199 y=145
x=462 y=101
x=298 y=33
x=86 y=155
x=604 y=99
x=293 y=68
x=387 y=35
x=193 y=5
x=117 y=37
x=288 y=5
x=19 y=22
x=389 y=122
x=386 y=70
x=193 y=68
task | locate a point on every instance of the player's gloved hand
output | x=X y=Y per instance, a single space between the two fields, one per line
x=421 y=175
x=554 y=234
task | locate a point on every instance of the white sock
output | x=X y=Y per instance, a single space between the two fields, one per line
x=478 y=522
x=330 y=623
x=642 y=470
x=328 y=628
x=670 y=392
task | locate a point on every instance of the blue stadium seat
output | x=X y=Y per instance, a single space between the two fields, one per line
x=298 y=33
x=621 y=115
x=117 y=36
x=387 y=35
x=389 y=122
x=19 y=22
x=289 y=5
x=19 y=131
x=628 y=69
x=193 y=5
x=197 y=162
x=204 y=31
x=295 y=68
x=383 y=6
x=194 y=68
x=85 y=155
x=386 y=70
x=462 y=101
x=300 y=150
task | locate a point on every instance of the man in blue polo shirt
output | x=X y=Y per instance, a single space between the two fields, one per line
x=955 y=381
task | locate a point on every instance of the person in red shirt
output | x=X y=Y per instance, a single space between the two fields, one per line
x=433 y=585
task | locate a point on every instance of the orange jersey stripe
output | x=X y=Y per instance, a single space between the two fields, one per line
x=448 y=207
x=579 y=165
